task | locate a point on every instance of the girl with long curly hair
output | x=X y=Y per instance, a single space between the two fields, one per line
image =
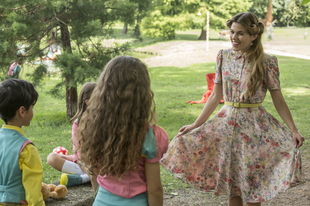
x=242 y=151
x=118 y=138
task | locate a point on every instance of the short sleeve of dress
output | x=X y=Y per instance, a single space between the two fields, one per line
x=218 y=69
x=155 y=144
x=272 y=74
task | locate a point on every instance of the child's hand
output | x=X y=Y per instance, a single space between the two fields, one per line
x=298 y=139
x=67 y=157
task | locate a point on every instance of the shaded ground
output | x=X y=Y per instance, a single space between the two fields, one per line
x=185 y=53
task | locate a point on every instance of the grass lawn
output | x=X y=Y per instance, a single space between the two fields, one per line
x=294 y=36
x=172 y=87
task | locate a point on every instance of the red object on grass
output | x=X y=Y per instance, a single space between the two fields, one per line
x=210 y=80
x=61 y=150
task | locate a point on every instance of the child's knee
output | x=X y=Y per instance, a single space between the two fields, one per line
x=51 y=158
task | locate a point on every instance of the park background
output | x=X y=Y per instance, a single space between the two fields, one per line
x=170 y=38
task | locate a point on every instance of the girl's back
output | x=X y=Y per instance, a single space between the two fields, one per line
x=115 y=132
x=134 y=183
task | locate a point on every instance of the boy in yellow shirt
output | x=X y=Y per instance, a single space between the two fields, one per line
x=21 y=168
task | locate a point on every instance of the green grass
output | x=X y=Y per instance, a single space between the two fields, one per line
x=295 y=36
x=172 y=87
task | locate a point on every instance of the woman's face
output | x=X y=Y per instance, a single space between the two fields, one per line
x=240 y=38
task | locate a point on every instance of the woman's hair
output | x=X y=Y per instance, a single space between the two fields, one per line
x=112 y=130
x=256 y=52
x=85 y=93
x=15 y=93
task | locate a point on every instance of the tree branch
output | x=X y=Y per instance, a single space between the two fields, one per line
x=16 y=8
x=93 y=43
x=32 y=54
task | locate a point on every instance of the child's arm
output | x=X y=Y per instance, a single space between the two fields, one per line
x=32 y=172
x=154 y=186
x=94 y=183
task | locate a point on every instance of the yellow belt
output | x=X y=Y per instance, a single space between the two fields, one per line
x=242 y=105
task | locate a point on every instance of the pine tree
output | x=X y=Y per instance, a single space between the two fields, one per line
x=28 y=27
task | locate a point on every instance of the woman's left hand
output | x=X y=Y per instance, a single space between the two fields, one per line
x=298 y=139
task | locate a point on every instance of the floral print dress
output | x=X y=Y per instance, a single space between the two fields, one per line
x=242 y=152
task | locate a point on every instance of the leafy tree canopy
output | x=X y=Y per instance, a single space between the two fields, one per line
x=304 y=2
x=182 y=14
x=219 y=10
x=285 y=12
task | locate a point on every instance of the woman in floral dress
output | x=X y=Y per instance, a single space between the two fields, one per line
x=242 y=151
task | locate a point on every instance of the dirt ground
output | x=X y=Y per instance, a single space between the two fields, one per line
x=185 y=53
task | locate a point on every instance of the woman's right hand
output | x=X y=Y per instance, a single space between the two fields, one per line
x=186 y=129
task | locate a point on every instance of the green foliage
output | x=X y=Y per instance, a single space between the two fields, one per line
x=259 y=8
x=142 y=9
x=37 y=74
x=86 y=64
x=28 y=27
x=176 y=7
x=304 y=2
x=157 y=25
x=182 y=14
x=285 y=12
x=289 y=13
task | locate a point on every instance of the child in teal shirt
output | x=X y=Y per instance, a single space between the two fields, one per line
x=21 y=168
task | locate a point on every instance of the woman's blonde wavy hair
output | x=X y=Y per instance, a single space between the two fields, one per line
x=256 y=52
x=112 y=129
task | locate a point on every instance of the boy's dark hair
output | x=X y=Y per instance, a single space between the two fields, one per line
x=15 y=93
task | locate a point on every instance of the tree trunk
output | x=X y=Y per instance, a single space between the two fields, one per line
x=202 y=34
x=136 y=33
x=269 y=17
x=71 y=92
x=71 y=98
x=125 y=28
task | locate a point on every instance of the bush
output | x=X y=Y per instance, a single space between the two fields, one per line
x=156 y=25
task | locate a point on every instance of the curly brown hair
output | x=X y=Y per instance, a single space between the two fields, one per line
x=256 y=52
x=112 y=130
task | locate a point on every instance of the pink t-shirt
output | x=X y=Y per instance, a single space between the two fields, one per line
x=134 y=183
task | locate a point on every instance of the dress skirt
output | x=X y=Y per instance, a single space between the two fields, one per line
x=227 y=155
